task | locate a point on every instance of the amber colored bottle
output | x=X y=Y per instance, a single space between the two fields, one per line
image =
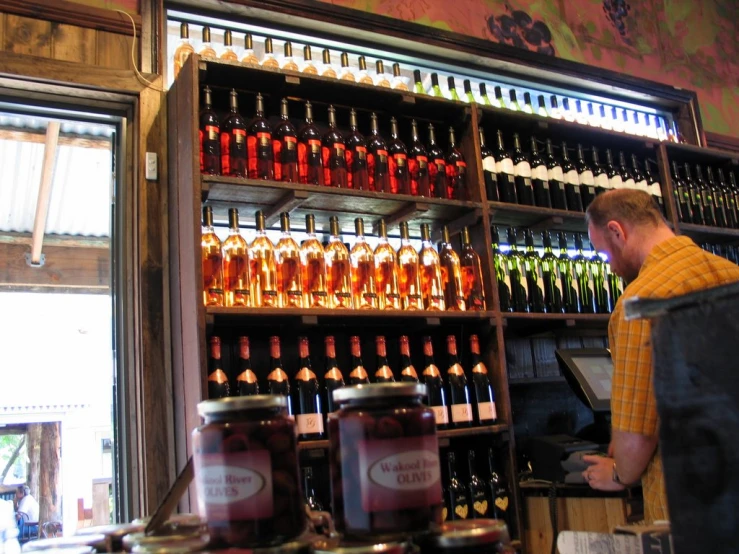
x=289 y=274
x=285 y=148
x=309 y=67
x=269 y=59
x=288 y=61
x=249 y=56
x=313 y=263
x=383 y=373
x=469 y=262
x=407 y=371
x=333 y=154
x=437 y=166
x=398 y=82
x=358 y=375
x=235 y=265
x=451 y=274
x=184 y=49
x=346 y=73
x=212 y=258
x=356 y=156
x=338 y=269
x=262 y=268
x=362 y=261
x=363 y=77
x=398 y=162
x=456 y=171
x=377 y=159
x=418 y=165
x=409 y=276
x=207 y=51
x=327 y=70
x=228 y=53
x=233 y=141
x=277 y=380
x=210 y=137
x=381 y=79
x=259 y=140
x=386 y=272
x=310 y=162
x=432 y=287
x=246 y=380
x=218 y=385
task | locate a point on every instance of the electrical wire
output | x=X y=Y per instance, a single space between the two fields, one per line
x=140 y=75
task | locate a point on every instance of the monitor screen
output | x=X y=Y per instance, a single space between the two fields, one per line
x=589 y=372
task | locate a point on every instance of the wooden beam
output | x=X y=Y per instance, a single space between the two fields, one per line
x=82 y=141
x=44 y=191
x=67 y=241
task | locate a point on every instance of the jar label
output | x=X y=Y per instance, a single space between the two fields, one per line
x=234 y=486
x=461 y=412
x=487 y=411
x=309 y=424
x=399 y=473
x=441 y=414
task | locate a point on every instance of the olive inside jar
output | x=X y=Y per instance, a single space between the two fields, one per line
x=246 y=472
x=477 y=536
x=384 y=458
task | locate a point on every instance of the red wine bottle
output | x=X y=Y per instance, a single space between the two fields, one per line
x=377 y=159
x=456 y=170
x=277 y=380
x=407 y=371
x=333 y=153
x=484 y=407
x=359 y=375
x=261 y=157
x=285 y=148
x=418 y=165
x=332 y=378
x=437 y=166
x=432 y=378
x=356 y=156
x=310 y=162
x=383 y=374
x=246 y=380
x=233 y=141
x=459 y=393
x=218 y=386
x=309 y=418
x=210 y=137
x=398 y=162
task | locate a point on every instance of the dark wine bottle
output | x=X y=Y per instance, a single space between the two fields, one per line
x=233 y=141
x=309 y=491
x=310 y=161
x=357 y=176
x=522 y=174
x=627 y=178
x=502 y=275
x=572 y=182
x=600 y=176
x=434 y=382
x=587 y=179
x=556 y=177
x=600 y=283
x=517 y=269
x=418 y=165
x=407 y=371
x=333 y=153
x=640 y=178
x=309 y=417
x=534 y=276
x=437 y=166
x=478 y=490
x=458 y=503
x=285 y=147
x=709 y=211
x=259 y=139
x=681 y=194
x=696 y=198
x=614 y=177
x=377 y=159
x=583 y=278
x=246 y=380
x=505 y=173
x=499 y=494
x=471 y=268
x=718 y=199
x=383 y=373
x=456 y=170
x=732 y=213
x=551 y=277
x=539 y=178
x=277 y=380
x=484 y=397
x=654 y=186
x=459 y=393
x=566 y=275
x=488 y=170
x=332 y=378
x=398 y=162
x=359 y=375
x=210 y=137
x=218 y=385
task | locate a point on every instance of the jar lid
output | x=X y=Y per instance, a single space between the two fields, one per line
x=295 y=547
x=378 y=390
x=141 y=542
x=474 y=532
x=114 y=530
x=238 y=403
x=326 y=547
x=95 y=541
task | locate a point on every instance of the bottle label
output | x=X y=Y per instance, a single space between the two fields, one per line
x=461 y=412
x=213 y=132
x=309 y=424
x=233 y=486
x=616 y=182
x=487 y=411
x=601 y=181
x=239 y=136
x=522 y=169
x=540 y=173
x=643 y=185
x=488 y=164
x=629 y=183
x=441 y=415
x=572 y=178
x=555 y=174
x=396 y=474
x=505 y=166
x=586 y=178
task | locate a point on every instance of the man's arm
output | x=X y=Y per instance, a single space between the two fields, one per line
x=632 y=453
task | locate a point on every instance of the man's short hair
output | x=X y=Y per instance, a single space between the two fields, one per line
x=625 y=206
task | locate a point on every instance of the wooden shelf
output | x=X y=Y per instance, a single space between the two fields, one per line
x=520 y=381
x=696 y=154
x=519 y=320
x=273 y=197
x=712 y=235
x=537 y=219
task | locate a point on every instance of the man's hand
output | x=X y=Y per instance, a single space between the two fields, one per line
x=599 y=474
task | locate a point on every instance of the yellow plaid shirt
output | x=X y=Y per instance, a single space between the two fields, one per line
x=674 y=267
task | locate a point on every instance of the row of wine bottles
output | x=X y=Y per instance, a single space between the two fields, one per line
x=528 y=282
x=286 y=275
x=727 y=251
x=711 y=201
x=334 y=158
x=456 y=402
x=548 y=182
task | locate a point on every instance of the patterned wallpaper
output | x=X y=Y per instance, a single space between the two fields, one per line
x=686 y=43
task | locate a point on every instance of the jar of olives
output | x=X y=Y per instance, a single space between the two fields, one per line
x=473 y=536
x=246 y=472
x=384 y=458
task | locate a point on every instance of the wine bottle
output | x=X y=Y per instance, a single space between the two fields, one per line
x=502 y=275
x=499 y=102
x=212 y=261
x=459 y=507
x=484 y=398
x=386 y=272
x=471 y=268
x=327 y=69
x=338 y=269
x=184 y=49
x=640 y=179
x=432 y=288
x=456 y=171
x=626 y=177
x=522 y=174
x=381 y=79
x=505 y=173
x=309 y=67
x=709 y=211
x=551 y=278
x=534 y=276
x=398 y=82
x=218 y=386
x=556 y=177
x=734 y=188
x=488 y=170
x=246 y=380
x=332 y=378
x=333 y=154
x=600 y=283
x=539 y=178
x=527 y=107
x=605 y=121
x=459 y=393
x=513 y=101
x=542 y=106
x=696 y=199
x=567 y=113
x=432 y=378
x=580 y=115
x=452 y=89
x=310 y=493
x=210 y=137
x=614 y=177
x=383 y=373
x=498 y=491
x=288 y=61
x=289 y=271
x=277 y=380
x=418 y=82
x=732 y=214
x=358 y=376
x=285 y=148
x=259 y=140
x=517 y=271
x=437 y=166
x=313 y=265
x=310 y=162
x=682 y=195
x=233 y=141
x=435 y=88
x=451 y=274
x=618 y=124
x=345 y=72
x=593 y=120
x=566 y=274
x=615 y=287
x=654 y=187
x=484 y=95
x=377 y=159
x=468 y=96
x=478 y=490
x=263 y=268
x=418 y=165
x=409 y=276
x=407 y=371
x=235 y=253
x=207 y=50
x=586 y=178
x=309 y=418
x=599 y=174
x=269 y=59
x=362 y=260
x=356 y=156
x=572 y=182
x=363 y=75
x=556 y=111
x=583 y=279
x=249 y=56
x=397 y=162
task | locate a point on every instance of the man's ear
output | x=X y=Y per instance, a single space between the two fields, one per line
x=617 y=231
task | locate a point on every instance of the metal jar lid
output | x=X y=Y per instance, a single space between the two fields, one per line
x=141 y=542
x=240 y=403
x=378 y=390
x=94 y=541
x=295 y=547
x=473 y=532
x=113 y=530
x=325 y=547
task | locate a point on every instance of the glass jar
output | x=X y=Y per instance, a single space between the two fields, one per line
x=246 y=472
x=474 y=536
x=384 y=461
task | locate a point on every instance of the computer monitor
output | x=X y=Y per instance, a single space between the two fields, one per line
x=589 y=372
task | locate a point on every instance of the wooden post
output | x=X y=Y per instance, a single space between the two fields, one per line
x=34 y=457
x=49 y=497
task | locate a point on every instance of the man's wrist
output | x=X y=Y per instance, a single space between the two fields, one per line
x=615 y=477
